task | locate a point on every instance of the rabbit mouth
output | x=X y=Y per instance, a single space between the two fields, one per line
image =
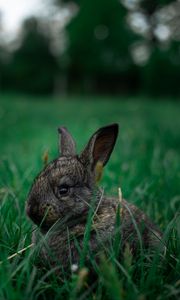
x=72 y=219
x=37 y=215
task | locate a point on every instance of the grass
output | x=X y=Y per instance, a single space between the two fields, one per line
x=145 y=163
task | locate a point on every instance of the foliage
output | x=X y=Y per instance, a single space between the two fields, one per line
x=107 y=47
x=145 y=164
x=98 y=52
x=32 y=68
x=161 y=74
x=99 y=55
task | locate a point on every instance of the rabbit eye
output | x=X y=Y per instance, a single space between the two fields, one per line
x=63 y=190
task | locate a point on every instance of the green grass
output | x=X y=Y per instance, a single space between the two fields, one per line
x=145 y=163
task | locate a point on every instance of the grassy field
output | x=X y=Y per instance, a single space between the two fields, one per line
x=145 y=164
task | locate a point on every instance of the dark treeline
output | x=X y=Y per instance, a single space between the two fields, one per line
x=109 y=50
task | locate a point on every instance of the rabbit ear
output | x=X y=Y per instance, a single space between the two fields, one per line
x=67 y=145
x=100 y=146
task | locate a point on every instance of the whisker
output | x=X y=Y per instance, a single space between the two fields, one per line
x=88 y=204
x=99 y=203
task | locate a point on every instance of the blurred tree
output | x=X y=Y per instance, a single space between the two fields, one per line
x=1 y=67
x=112 y=46
x=106 y=54
x=151 y=19
x=160 y=76
x=33 y=68
x=157 y=23
x=4 y=60
x=98 y=56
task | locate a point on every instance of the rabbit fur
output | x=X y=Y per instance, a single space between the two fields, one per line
x=62 y=194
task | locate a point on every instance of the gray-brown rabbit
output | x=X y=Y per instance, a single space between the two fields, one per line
x=63 y=193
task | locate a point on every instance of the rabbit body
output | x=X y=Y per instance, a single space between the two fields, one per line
x=62 y=195
x=59 y=244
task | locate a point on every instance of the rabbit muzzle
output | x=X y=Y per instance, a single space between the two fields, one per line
x=44 y=215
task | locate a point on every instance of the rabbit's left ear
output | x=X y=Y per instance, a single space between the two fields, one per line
x=67 y=146
x=100 y=146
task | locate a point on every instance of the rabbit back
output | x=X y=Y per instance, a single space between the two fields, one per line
x=135 y=229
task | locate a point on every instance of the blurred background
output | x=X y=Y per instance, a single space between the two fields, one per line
x=84 y=64
x=124 y=47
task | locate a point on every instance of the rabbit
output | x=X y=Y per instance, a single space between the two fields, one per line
x=62 y=195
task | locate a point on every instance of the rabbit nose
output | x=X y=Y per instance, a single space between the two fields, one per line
x=32 y=212
x=33 y=215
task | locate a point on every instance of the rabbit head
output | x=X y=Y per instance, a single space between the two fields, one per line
x=64 y=188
